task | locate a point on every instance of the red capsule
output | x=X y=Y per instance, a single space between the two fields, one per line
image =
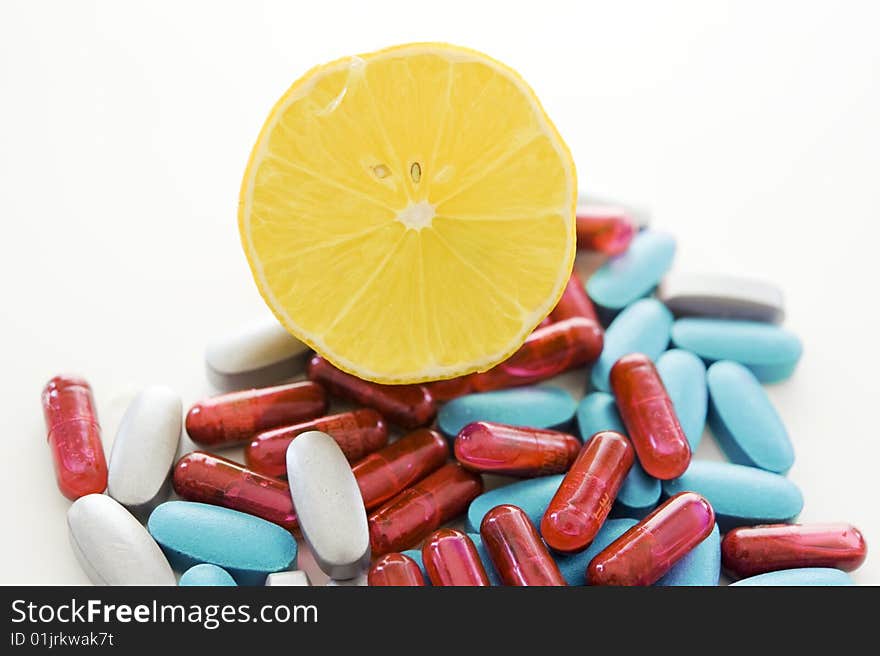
x=236 y=417
x=74 y=437
x=451 y=559
x=383 y=474
x=575 y=302
x=754 y=550
x=207 y=478
x=546 y=321
x=648 y=550
x=649 y=417
x=485 y=446
x=547 y=351
x=584 y=498
x=608 y=230
x=446 y=390
x=409 y=406
x=419 y=510
x=358 y=433
x=395 y=569
x=516 y=549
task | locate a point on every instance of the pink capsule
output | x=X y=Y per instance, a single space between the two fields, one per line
x=605 y=229
x=74 y=437
x=648 y=550
x=486 y=446
x=547 y=352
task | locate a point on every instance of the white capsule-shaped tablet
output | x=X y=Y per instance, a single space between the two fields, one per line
x=359 y=581
x=112 y=547
x=722 y=296
x=144 y=450
x=329 y=505
x=296 y=577
x=257 y=355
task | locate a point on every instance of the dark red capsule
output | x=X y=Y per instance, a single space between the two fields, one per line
x=485 y=446
x=415 y=513
x=408 y=406
x=574 y=302
x=451 y=559
x=383 y=474
x=546 y=321
x=207 y=478
x=754 y=550
x=516 y=549
x=547 y=352
x=74 y=437
x=608 y=230
x=584 y=498
x=358 y=433
x=395 y=569
x=236 y=417
x=649 y=417
x=648 y=550
x=446 y=390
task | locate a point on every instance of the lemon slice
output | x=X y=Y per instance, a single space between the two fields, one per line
x=409 y=213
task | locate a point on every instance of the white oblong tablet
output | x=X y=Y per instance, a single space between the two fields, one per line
x=112 y=547
x=296 y=577
x=329 y=505
x=257 y=355
x=722 y=296
x=144 y=450
x=359 y=581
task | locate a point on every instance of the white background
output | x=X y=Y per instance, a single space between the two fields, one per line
x=750 y=129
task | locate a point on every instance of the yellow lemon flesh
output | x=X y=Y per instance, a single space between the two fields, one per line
x=409 y=213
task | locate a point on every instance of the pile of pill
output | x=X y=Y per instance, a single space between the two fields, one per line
x=603 y=491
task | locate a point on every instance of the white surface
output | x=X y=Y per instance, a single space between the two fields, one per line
x=748 y=128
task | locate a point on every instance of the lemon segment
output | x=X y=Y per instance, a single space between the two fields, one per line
x=409 y=213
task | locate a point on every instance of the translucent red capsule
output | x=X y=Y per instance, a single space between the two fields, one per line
x=74 y=437
x=451 y=559
x=446 y=390
x=236 y=417
x=415 y=513
x=547 y=351
x=754 y=550
x=516 y=549
x=574 y=302
x=383 y=474
x=649 y=417
x=608 y=230
x=207 y=478
x=648 y=550
x=395 y=569
x=358 y=433
x=485 y=446
x=584 y=498
x=408 y=406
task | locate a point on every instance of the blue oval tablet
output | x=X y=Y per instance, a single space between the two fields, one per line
x=643 y=327
x=797 y=577
x=574 y=566
x=770 y=352
x=700 y=566
x=684 y=377
x=247 y=547
x=741 y=496
x=744 y=421
x=532 y=495
x=633 y=274
x=205 y=575
x=639 y=492
x=537 y=407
